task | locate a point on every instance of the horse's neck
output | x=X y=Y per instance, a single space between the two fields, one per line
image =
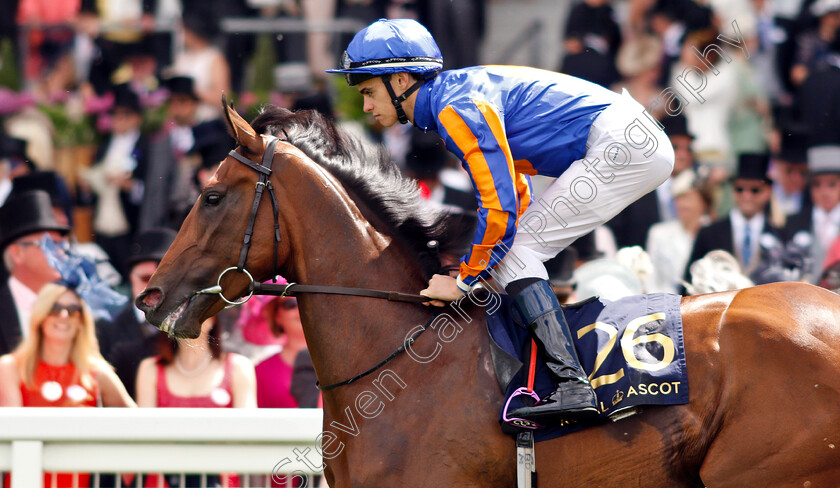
x=336 y=244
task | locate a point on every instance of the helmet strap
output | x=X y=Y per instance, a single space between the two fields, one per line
x=398 y=100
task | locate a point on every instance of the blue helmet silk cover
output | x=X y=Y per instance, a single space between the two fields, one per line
x=387 y=47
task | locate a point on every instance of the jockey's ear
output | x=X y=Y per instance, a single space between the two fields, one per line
x=241 y=130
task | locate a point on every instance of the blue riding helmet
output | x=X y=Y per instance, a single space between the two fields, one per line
x=387 y=47
x=390 y=46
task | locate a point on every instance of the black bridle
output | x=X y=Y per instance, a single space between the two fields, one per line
x=263 y=168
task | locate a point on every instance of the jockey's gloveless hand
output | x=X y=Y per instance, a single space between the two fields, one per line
x=442 y=289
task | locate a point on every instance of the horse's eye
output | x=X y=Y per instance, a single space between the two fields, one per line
x=212 y=199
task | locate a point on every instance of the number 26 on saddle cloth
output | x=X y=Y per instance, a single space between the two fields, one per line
x=631 y=349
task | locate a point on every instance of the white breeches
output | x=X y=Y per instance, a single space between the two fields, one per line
x=627 y=156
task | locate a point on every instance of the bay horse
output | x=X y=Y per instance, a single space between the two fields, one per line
x=763 y=363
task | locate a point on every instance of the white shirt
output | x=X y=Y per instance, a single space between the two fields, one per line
x=182 y=138
x=24 y=299
x=110 y=218
x=5 y=189
x=826 y=225
x=739 y=222
x=671 y=39
x=118 y=155
x=669 y=246
x=665 y=200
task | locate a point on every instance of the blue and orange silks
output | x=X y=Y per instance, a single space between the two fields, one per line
x=506 y=123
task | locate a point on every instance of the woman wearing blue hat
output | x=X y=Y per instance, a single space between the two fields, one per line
x=506 y=123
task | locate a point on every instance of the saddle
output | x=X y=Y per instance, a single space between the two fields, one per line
x=631 y=349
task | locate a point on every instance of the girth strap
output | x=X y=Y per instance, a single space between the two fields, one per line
x=526 y=469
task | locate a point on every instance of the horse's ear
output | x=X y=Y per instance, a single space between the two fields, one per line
x=241 y=130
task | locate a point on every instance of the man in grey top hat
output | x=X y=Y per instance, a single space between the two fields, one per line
x=819 y=226
x=24 y=220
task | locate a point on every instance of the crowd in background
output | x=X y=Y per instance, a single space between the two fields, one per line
x=111 y=125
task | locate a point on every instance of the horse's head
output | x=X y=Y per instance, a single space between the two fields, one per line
x=322 y=179
x=182 y=292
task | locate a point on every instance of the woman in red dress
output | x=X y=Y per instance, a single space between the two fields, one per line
x=196 y=373
x=58 y=364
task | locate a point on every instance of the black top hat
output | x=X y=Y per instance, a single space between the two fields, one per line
x=316 y=101
x=753 y=167
x=150 y=245
x=561 y=268
x=47 y=181
x=212 y=142
x=675 y=125
x=202 y=25
x=690 y=13
x=794 y=148
x=671 y=9
x=427 y=155
x=27 y=213
x=181 y=85
x=212 y=153
x=125 y=97
x=12 y=147
x=141 y=48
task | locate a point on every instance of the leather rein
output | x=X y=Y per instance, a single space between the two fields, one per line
x=263 y=168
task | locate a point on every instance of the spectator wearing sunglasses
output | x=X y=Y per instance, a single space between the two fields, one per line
x=129 y=338
x=740 y=232
x=58 y=364
x=820 y=225
x=24 y=220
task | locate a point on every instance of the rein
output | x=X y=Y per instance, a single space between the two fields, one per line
x=274 y=289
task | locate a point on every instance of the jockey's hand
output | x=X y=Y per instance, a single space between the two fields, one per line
x=441 y=289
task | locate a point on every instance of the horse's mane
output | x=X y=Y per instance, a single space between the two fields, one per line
x=366 y=171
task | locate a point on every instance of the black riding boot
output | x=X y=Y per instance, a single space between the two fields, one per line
x=574 y=399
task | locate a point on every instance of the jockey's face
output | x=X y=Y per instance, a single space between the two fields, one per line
x=377 y=101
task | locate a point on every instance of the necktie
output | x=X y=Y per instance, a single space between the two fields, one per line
x=746 y=249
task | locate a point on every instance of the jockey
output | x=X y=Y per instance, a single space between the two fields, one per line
x=506 y=123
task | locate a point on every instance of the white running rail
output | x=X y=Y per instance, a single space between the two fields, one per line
x=149 y=440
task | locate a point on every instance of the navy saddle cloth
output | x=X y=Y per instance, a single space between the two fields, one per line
x=631 y=349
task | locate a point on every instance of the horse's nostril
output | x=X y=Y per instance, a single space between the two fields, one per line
x=149 y=299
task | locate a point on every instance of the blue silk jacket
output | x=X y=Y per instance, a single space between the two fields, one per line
x=506 y=123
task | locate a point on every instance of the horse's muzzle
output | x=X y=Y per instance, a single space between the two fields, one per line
x=149 y=300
